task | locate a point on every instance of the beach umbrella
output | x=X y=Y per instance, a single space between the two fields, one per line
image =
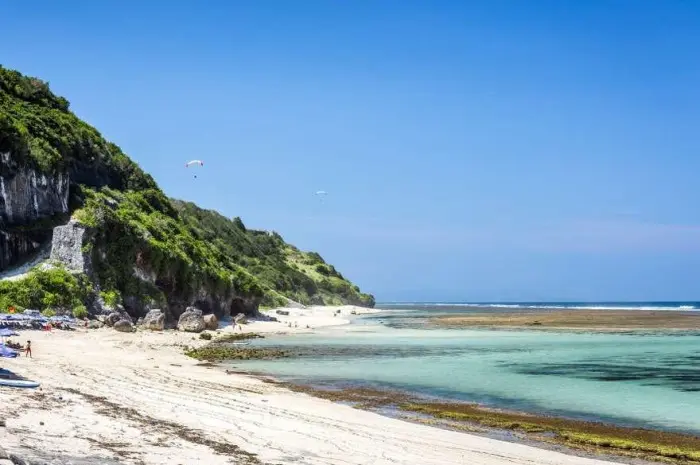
x=7 y=352
x=6 y=332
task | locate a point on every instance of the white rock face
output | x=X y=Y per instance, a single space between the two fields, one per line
x=67 y=247
x=26 y=196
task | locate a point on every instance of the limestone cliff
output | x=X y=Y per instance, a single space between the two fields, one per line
x=27 y=198
x=66 y=190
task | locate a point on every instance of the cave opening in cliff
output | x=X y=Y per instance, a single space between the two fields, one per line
x=237 y=306
x=204 y=306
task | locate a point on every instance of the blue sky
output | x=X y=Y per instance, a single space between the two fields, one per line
x=492 y=150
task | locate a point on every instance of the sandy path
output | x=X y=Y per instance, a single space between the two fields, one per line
x=134 y=398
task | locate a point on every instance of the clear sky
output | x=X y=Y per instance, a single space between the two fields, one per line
x=492 y=150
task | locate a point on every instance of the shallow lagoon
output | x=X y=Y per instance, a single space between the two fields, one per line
x=649 y=380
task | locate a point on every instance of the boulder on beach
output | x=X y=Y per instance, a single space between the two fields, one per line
x=154 y=320
x=95 y=324
x=112 y=318
x=211 y=322
x=124 y=326
x=191 y=321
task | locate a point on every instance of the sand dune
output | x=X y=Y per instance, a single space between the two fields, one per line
x=111 y=397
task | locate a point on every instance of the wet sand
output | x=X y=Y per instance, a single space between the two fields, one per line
x=596 y=320
x=585 y=438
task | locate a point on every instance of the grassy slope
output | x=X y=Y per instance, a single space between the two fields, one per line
x=281 y=268
x=188 y=248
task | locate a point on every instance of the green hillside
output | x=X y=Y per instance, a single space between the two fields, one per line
x=280 y=267
x=145 y=249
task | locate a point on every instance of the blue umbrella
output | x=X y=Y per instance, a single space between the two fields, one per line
x=4 y=332
x=7 y=352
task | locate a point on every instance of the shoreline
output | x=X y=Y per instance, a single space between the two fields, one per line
x=110 y=397
x=589 y=439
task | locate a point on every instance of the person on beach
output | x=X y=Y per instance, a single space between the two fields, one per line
x=28 y=350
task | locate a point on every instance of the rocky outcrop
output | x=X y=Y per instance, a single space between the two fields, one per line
x=124 y=326
x=154 y=320
x=223 y=306
x=191 y=321
x=68 y=247
x=211 y=322
x=27 y=196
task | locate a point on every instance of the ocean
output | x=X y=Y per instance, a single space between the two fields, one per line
x=649 y=379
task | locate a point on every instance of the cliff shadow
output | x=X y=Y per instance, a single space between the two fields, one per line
x=206 y=307
x=238 y=306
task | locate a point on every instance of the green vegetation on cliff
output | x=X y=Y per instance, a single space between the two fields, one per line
x=38 y=130
x=143 y=246
x=281 y=268
x=141 y=229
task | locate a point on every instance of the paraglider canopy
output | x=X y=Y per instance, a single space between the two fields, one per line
x=194 y=163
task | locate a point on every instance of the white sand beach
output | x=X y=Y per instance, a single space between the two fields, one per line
x=134 y=398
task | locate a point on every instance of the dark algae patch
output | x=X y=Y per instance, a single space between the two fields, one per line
x=598 y=437
x=670 y=374
x=588 y=437
x=215 y=352
x=223 y=348
x=234 y=337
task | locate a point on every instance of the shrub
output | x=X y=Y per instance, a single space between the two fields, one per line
x=80 y=312
x=323 y=269
x=49 y=312
x=44 y=288
x=111 y=298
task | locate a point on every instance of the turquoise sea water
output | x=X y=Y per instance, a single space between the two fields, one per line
x=649 y=380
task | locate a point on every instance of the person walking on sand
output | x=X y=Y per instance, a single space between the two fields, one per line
x=28 y=350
